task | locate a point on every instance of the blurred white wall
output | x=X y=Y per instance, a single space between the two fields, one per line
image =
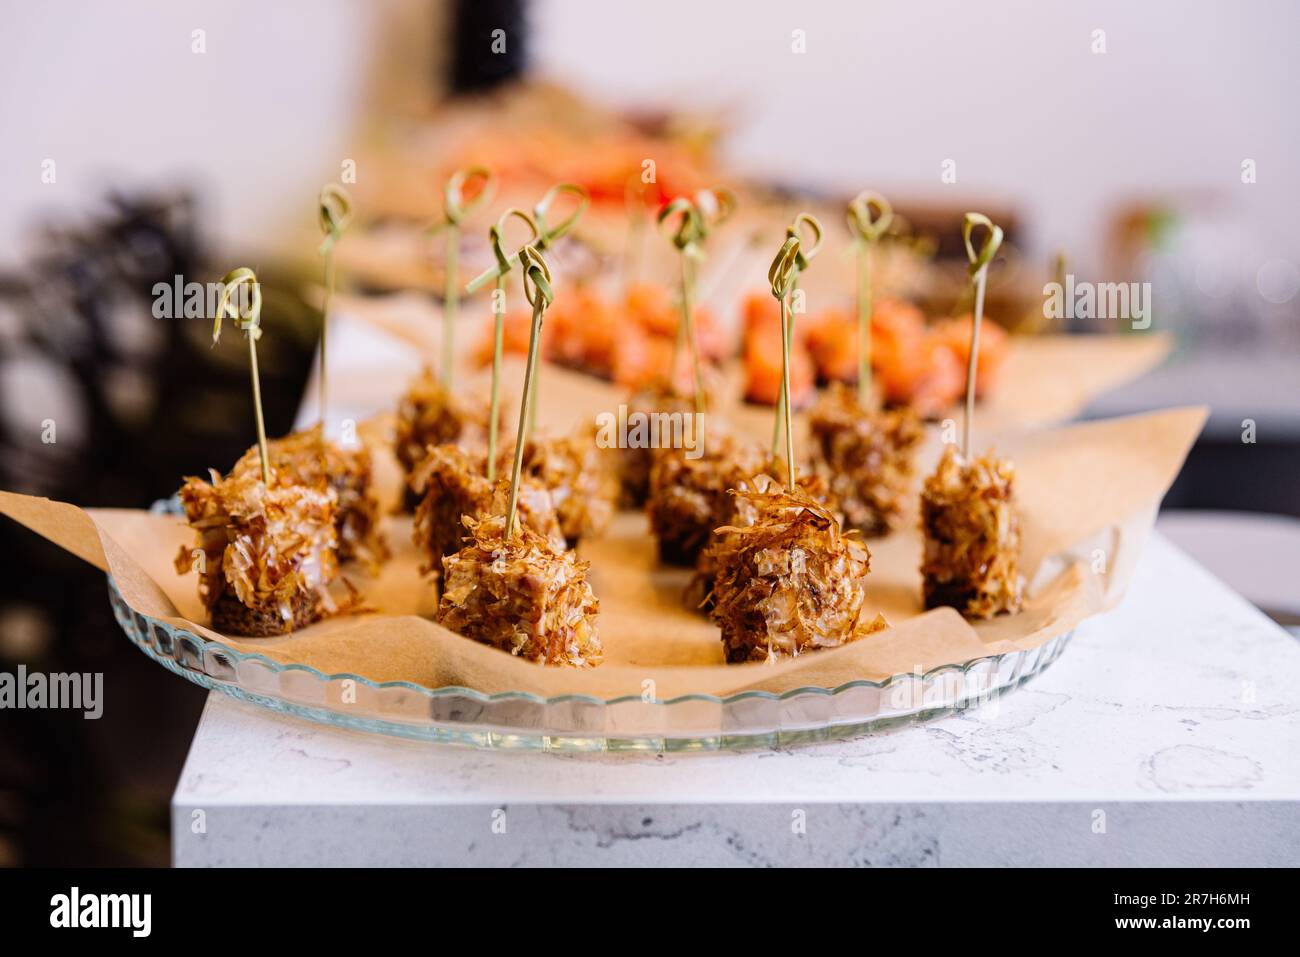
x=114 y=94
x=885 y=92
x=888 y=89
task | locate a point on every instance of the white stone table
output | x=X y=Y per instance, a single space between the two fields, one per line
x=1168 y=733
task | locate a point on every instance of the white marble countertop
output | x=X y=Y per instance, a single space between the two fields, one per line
x=1167 y=733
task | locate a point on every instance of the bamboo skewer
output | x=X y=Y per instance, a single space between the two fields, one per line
x=334 y=213
x=696 y=218
x=537 y=288
x=250 y=322
x=455 y=209
x=866 y=226
x=634 y=203
x=498 y=323
x=546 y=236
x=979 y=268
x=783 y=276
x=801 y=258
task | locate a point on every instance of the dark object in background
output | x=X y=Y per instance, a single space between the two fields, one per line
x=135 y=402
x=475 y=66
x=1226 y=475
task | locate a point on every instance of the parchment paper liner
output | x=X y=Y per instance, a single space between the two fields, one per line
x=1087 y=496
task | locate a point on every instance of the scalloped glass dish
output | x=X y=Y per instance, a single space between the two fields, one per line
x=752 y=719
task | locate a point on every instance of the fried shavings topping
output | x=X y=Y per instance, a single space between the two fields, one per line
x=972 y=537
x=522 y=595
x=790 y=581
x=688 y=491
x=269 y=545
x=636 y=460
x=865 y=456
x=740 y=511
x=453 y=486
x=306 y=458
x=582 y=487
x=428 y=414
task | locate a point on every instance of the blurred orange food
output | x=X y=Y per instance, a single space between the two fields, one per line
x=758 y=311
x=582 y=330
x=763 y=369
x=652 y=308
x=515 y=332
x=993 y=349
x=926 y=375
x=915 y=364
x=832 y=340
x=896 y=322
x=630 y=341
x=602 y=162
x=642 y=360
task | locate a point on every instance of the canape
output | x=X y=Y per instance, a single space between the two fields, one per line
x=582 y=485
x=636 y=456
x=688 y=491
x=738 y=511
x=629 y=341
x=521 y=594
x=266 y=551
x=789 y=581
x=865 y=456
x=452 y=485
x=306 y=458
x=972 y=536
x=429 y=414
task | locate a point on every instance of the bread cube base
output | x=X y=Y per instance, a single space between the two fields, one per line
x=230 y=616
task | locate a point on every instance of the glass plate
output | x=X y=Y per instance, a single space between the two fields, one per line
x=751 y=719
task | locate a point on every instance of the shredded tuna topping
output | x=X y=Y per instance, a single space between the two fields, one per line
x=972 y=537
x=306 y=458
x=790 y=581
x=272 y=547
x=452 y=485
x=523 y=596
x=866 y=457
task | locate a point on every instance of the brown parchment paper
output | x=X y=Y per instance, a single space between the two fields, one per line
x=1086 y=493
